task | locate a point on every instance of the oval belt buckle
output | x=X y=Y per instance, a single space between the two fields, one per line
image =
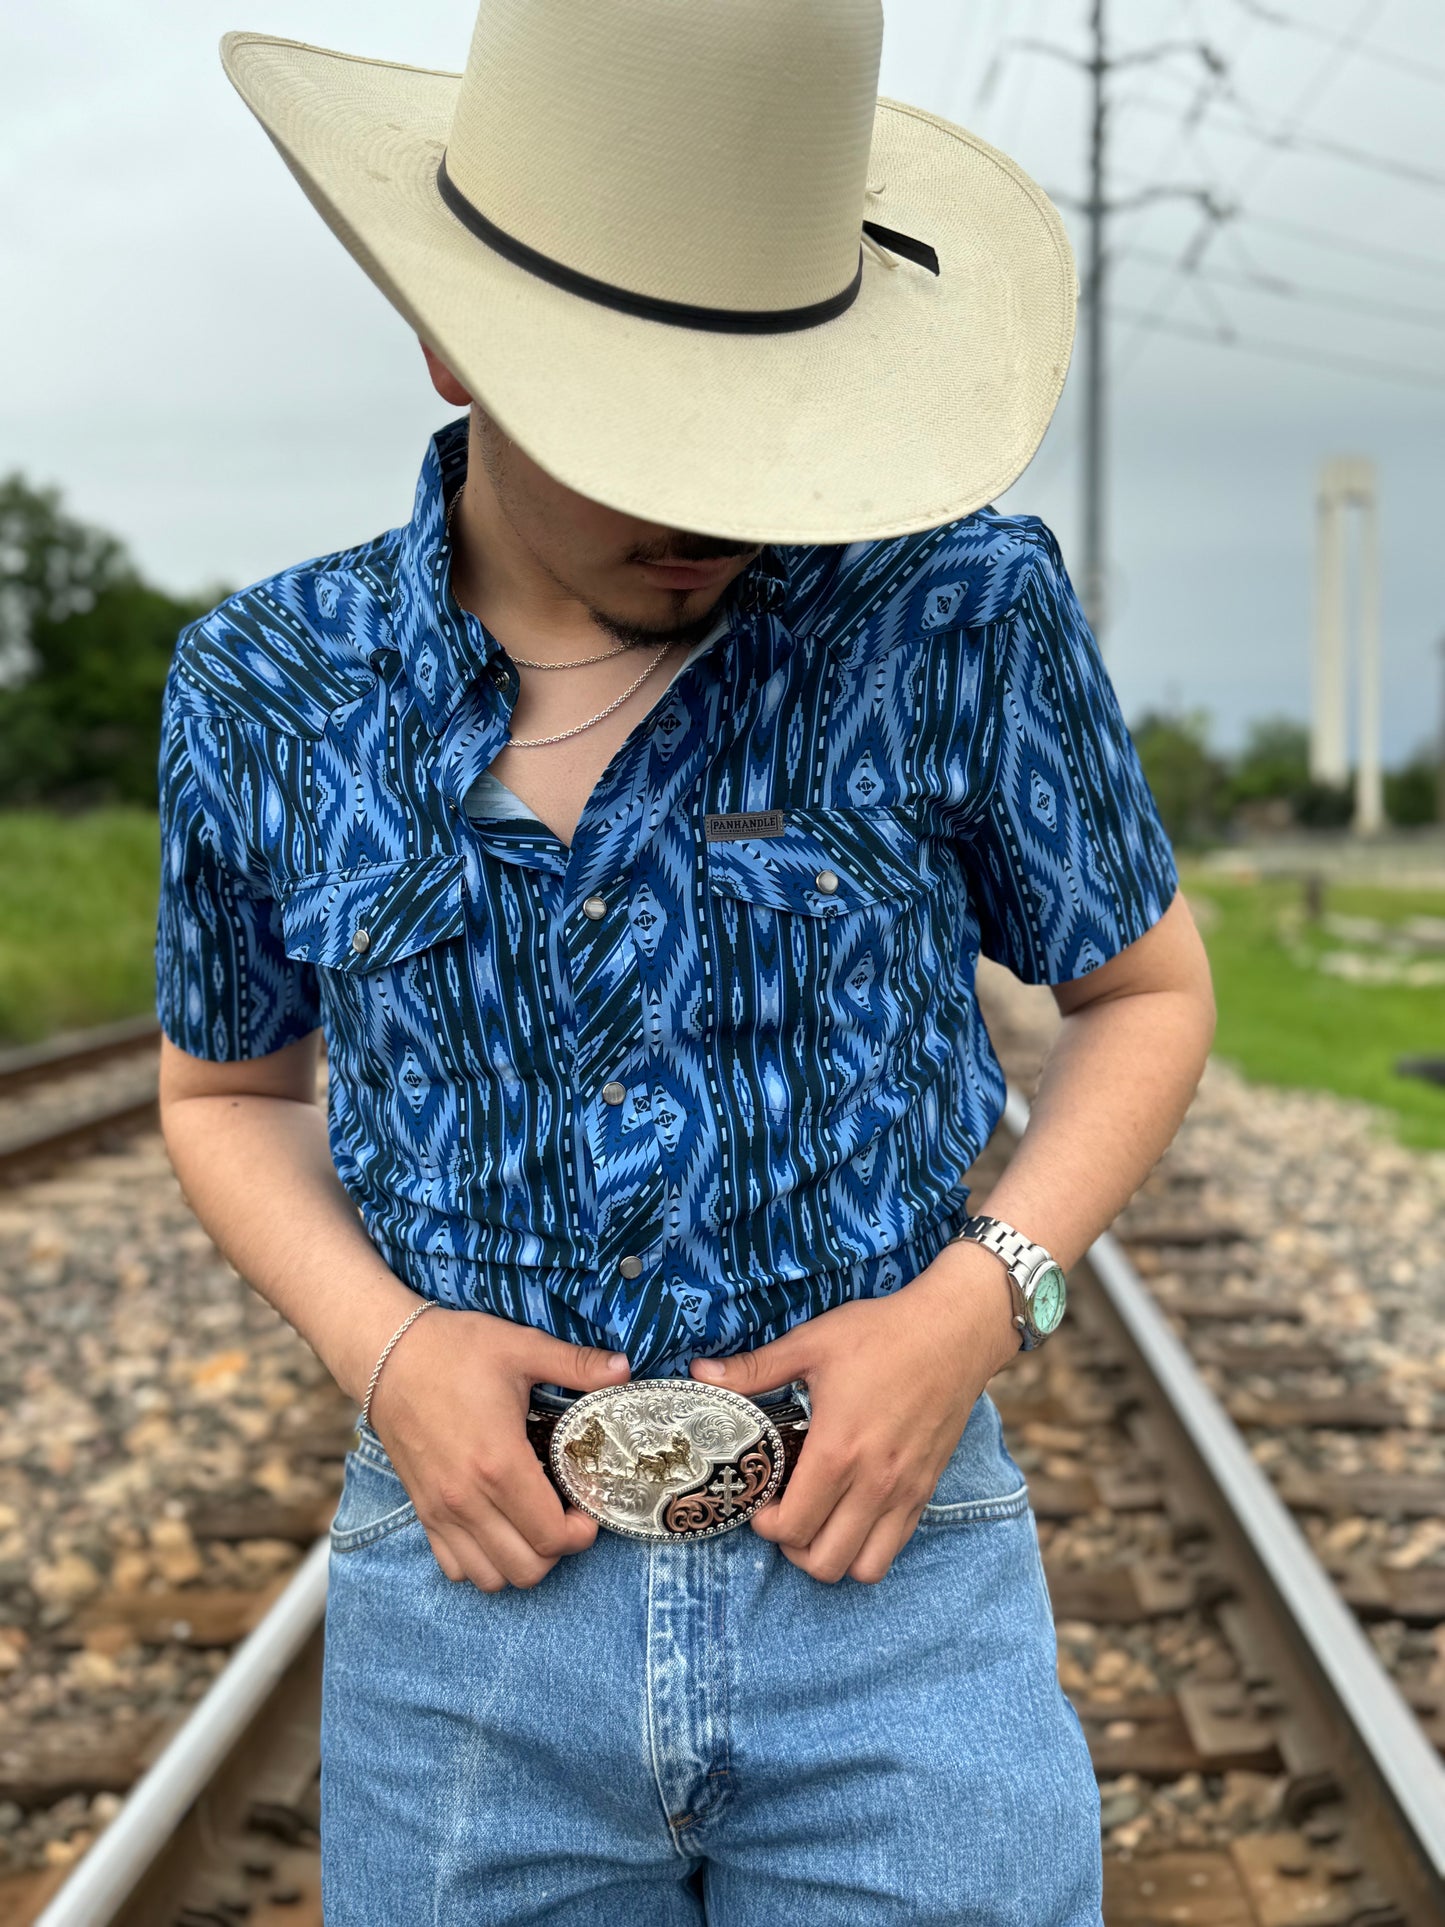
x=667 y=1459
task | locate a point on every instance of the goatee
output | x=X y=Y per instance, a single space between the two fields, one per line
x=635 y=636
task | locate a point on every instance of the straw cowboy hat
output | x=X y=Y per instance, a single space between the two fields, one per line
x=685 y=256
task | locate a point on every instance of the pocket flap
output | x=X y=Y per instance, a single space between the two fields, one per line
x=359 y=920
x=874 y=854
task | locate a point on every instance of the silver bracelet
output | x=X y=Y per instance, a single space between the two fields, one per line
x=427 y=1304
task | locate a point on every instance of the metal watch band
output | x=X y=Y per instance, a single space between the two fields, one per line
x=1001 y=1239
x=1017 y=1253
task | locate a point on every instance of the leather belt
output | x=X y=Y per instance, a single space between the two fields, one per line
x=668 y=1459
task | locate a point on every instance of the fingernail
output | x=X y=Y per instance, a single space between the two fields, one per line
x=709 y=1368
x=618 y=1365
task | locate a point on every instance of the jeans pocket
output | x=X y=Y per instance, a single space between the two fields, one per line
x=374 y=1503
x=981 y=1480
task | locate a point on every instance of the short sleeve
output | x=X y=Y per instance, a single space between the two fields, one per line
x=225 y=988
x=1066 y=853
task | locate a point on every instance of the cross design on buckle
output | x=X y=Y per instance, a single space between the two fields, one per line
x=727 y=1489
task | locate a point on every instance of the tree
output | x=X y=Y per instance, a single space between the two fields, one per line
x=1411 y=791
x=1275 y=764
x=50 y=567
x=1275 y=761
x=84 y=649
x=1188 y=781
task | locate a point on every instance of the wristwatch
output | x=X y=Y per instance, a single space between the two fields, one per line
x=1035 y=1281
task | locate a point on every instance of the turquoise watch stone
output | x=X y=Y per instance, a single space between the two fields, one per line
x=1048 y=1298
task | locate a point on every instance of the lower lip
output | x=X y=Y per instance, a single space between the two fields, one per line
x=695 y=575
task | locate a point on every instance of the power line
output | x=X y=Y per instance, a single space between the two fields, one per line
x=1225 y=337
x=1020 y=94
x=1261 y=281
x=1249 y=124
x=1345 y=244
x=1272 y=16
x=1320 y=237
x=1215 y=78
x=1341 y=49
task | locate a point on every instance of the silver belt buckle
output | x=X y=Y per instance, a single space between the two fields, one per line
x=667 y=1459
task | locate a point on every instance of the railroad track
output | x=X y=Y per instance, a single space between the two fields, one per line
x=73 y=1092
x=1220 y=1675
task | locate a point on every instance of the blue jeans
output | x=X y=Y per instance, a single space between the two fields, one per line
x=658 y=1736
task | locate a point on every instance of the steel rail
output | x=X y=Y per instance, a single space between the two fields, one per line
x=1399 y=1754
x=26 y=1156
x=58 y=1056
x=57 y=1059
x=110 y=1871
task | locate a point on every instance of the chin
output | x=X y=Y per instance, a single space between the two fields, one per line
x=669 y=615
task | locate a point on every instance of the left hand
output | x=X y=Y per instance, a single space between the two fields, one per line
x=892 y=1382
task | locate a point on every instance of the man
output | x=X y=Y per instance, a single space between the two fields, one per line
x=631 y=823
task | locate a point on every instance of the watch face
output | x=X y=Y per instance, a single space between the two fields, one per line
x=1046 y=1303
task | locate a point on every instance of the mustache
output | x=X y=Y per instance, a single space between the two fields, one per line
x=684 y=547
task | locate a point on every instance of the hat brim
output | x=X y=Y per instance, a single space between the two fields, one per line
x=927 y=398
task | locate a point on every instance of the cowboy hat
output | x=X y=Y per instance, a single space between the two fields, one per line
x=684 y=255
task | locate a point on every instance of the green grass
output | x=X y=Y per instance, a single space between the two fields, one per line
x=1283 y=1021
x=77 y=919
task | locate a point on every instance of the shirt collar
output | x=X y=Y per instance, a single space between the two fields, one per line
x=443 y=649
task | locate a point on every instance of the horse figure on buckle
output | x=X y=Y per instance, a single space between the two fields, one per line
x=658 y=1467
x=585 y=1451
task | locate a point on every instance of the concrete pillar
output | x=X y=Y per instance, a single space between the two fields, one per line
x=1329 y=751
x=1348 y=482
x=1369 y=779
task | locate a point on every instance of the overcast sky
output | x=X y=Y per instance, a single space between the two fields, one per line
x=195 y=361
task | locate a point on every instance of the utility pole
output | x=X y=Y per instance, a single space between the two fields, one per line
x=1096 y=208
x=1095 y=549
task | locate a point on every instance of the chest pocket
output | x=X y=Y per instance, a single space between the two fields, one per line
x=362 y=921
x=824 y=863
x=385 y=941
x=388 y=942
x=819 y=948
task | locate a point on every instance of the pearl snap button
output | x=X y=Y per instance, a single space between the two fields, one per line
x=630 y=1267
x=826 y=881
x=594 y=907
x=361 y=940
x=613 y=1093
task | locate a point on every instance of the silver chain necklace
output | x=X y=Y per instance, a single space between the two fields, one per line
x=539 y=742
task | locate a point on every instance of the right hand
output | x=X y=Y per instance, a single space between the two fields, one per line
x=450 y=1407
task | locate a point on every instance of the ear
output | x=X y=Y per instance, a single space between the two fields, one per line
x=443 y=380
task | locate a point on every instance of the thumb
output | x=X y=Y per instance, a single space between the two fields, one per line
x=581 y=1368
x=764 y=1370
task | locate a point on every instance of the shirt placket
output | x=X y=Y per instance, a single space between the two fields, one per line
x=611 y=948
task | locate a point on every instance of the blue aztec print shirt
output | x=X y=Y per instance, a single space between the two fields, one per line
x=718 y=1066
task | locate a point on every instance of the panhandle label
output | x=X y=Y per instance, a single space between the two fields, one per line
x=733 y=826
